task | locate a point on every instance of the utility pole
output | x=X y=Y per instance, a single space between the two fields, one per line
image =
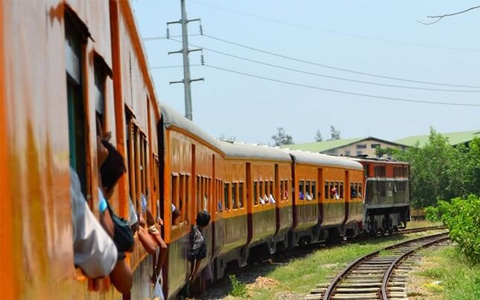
x=186 y=63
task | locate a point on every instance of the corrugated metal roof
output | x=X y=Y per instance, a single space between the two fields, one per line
x=323 y=146
x=454 y=138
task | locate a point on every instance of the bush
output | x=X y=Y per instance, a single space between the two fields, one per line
x=432 y=214
x=239 y=289
x=462 y=217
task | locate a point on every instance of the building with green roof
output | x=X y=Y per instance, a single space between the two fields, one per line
x=365 y=146
x=454 y=138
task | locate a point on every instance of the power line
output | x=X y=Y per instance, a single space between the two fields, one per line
x=328 y=76
x=337 y=68
x=343 y=92
x=316 y=29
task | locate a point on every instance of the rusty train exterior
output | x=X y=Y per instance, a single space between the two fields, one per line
x=65 y=63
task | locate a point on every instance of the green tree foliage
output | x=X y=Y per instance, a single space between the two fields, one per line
x=441 y=171
x=379 y=151
x=335 y=134
x=318 y=136
x=462 y=217
x=282 y=138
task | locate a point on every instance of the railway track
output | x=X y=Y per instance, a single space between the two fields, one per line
x=379 y=275
x=420 y=229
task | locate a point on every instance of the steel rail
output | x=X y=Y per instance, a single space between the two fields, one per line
x=332 y=286
x=389 y=271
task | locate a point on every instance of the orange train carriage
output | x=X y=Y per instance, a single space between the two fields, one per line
x=64 y=64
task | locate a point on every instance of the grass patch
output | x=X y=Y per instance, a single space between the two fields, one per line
x=386 y=253
x=301 y=274
x=239 y=289
x=422 y=223
x=451 y=275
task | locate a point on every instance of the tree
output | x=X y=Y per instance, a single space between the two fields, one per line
x=282 y=138
x=318 y=136
x=438 y=18
x=335 y=133
x=440 y=171
x=379 y=151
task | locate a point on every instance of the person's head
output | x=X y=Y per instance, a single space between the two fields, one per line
x=175 y=214
x=203 y=218
x=112 y=168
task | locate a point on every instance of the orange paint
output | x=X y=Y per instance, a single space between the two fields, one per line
x=8 y=274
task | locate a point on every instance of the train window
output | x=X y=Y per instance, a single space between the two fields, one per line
x=255 y=193
x=353 y=190
x=75 y=103
x=333 y=190
x=266 y=188
x=327 y=191
x=240 y=194
x=174 y=191
x=234 y=195
x=181 y=195
x=99 y=91
x=198 y=192
x=260 y=189
x=271 y=188
x=341 y=190
x=359 y=190
x=380 y=171
x=314 y=190
x=225 y=195
x=307 y=190
x=399 y=172
x=208 y=193
x=187 y=197
x=301 y=190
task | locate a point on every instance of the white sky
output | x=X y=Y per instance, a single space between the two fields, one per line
x=376 y=36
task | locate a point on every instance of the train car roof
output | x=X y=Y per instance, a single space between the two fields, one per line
x=378 y=160
x=323 y=159
x=173 y=118
x=236 y=150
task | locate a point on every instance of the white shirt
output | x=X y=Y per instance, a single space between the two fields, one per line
x=93 y=249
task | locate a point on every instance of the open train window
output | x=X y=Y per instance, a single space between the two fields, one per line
x=226 y=197
x=301 y=190
x=260 y=190
x=255 y=193
x=174 y=193
x=75 y=38
x=341 y=190
x=271 y=188
x=181 y=199
x=234 y=195
x=314 y=190
x=327 y=191
x=240 y=194
x=307 y=190
x=360 y=190
x=265 y=190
